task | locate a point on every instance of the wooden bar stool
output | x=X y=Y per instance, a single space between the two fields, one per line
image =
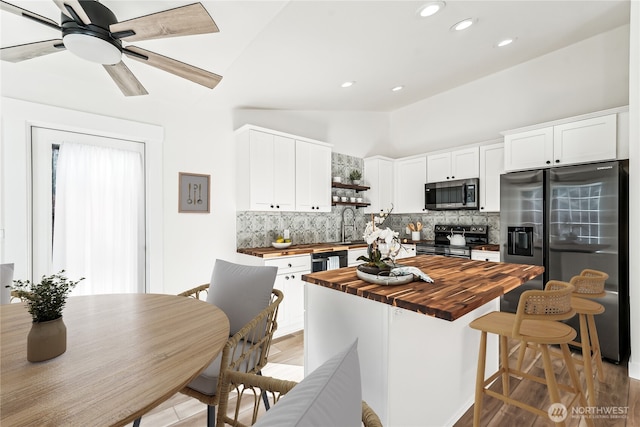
x=537 y=322
x=589 y=284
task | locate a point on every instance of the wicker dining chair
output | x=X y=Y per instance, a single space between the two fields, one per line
x=235 y=289
x=536 y=322
x=251 y=387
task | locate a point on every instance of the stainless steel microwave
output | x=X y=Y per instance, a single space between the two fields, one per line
x=458 y=194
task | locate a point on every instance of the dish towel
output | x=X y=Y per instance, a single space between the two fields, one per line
x=333 y=262
x=412 y=270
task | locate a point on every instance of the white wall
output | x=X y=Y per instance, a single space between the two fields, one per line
x=588 y=76
x=634 y=185
x=355 y=133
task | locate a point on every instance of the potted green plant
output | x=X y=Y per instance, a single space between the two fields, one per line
x=45 y=301
x=355 y=176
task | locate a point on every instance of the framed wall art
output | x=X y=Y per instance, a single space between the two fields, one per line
x=193 y=193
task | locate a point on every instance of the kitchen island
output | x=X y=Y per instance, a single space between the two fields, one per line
x=417 y=353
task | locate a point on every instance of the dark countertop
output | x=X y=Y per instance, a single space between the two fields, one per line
x=460 y=286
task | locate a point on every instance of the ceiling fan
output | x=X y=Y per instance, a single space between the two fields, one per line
x=91 y=31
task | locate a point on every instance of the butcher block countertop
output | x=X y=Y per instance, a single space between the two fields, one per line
x=311 y=248
x=460 y=285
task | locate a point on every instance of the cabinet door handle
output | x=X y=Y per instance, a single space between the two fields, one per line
x=289 y=265
x=548 y=162
x=286 y=277
x=557 y=161
x=271 y=206
x=293 y=276
x=452 y=177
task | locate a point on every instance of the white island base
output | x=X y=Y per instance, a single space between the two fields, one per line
x=416 y=370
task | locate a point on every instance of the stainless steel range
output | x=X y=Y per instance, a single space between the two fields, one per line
x=474 y=235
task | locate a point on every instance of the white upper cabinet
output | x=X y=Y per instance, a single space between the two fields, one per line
x=581 y=141
x=491 y=167
x=265 y=172
x=266 y=165
x=528 y=150
x=585 y=141
x=409 y=179
x=313 y=177
x=378 y=174
x=457 y=164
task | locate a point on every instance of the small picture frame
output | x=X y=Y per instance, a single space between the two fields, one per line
x=193 y=192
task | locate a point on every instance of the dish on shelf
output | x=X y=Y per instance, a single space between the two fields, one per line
x=281 y=245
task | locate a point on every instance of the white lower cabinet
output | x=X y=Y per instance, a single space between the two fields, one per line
x=407 y=251
x=289 y=281
x=493 y=256
x=353 y=254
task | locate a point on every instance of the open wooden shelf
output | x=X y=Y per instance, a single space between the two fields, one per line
x=356 y=204
x=358 y=188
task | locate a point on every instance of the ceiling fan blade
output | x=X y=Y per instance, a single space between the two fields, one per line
x=27 y=14
x=186 y=71
x=30 y=50
x=124 y=78
x=181 y=21
x=77 y=8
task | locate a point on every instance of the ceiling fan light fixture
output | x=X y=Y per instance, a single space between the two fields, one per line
x=92 y=48
x=430 y=9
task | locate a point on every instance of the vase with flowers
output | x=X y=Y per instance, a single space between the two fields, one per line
x=45 y=300
x=383 y=246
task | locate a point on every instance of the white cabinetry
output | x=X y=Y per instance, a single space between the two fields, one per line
x=491 y=166
x=265 y=171
x=458 y=164
x=407 y=250
x=289 y=281
x=581 y=141
x=313 y=177
x=276 y=171
x=378 y=174
x=353 y=254
x=493 y=256
x=409 y=179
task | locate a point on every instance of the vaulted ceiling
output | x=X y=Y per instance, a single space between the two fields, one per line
x=296 y=54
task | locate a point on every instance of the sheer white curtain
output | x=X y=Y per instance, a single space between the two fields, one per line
x=98 y=210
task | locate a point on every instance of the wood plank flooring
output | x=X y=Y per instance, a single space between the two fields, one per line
x=286 y=362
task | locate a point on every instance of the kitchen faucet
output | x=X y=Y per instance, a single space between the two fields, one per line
x=343 y=225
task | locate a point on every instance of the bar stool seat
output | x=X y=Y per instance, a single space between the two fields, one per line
x=536 y=322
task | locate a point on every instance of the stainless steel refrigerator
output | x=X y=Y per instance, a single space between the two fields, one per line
x=568 y=219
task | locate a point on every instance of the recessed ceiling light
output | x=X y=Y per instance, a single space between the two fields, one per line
x=347 y=84
x=463 y=25
x=505 y=42
x=397 y=88
x=431 y=8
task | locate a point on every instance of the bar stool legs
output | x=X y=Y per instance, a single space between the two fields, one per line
x=595 y=346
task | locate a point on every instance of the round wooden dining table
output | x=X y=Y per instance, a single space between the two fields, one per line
x=126 y=354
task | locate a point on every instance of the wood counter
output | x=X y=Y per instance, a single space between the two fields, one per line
x=460 y=286
x=310 y=248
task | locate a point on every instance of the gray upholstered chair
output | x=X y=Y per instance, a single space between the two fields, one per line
x=246 y=295
x=329 y=396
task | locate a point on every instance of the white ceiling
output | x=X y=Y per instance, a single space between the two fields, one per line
x=295 y=54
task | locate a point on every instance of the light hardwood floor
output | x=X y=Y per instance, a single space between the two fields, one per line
x=286 y=362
